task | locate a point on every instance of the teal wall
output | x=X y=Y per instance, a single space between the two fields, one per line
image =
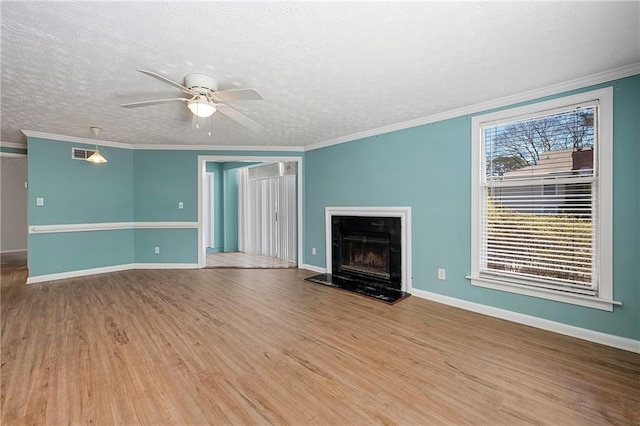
x=162 y=179
x=428 y=169
x=71 y=251
x=225 y=204
x=134 y=186
x=216 y=169
x=230 y=210
x=176 y=245
x=77 y=191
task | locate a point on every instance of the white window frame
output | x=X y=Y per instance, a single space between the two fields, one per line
x=604 y=204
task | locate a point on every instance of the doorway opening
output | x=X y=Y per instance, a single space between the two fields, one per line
x=249 y=219
x=13 y=203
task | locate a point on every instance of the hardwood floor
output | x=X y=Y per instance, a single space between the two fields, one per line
x=241 y=346
x=246 y=260
x=13 y=260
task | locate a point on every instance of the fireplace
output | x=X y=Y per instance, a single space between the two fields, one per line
x=368 y=251
x=366 y=255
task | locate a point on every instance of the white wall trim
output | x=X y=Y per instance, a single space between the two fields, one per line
x=554 y=89
x=201 y=171
x=12 y=154
x=165 y=225
x=313 y=268
x=80 y=273
x=108 y=226
x=619 y=342
x=24 y=250
x=164 y=266
x=404 y=213
x=13 y=145
x=159 y=147
x=543 y=293
x=79 y=227
x=107 y=269
x=217 y=148
x=75 y=139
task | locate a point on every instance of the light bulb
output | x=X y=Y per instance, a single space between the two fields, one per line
x=201 y=107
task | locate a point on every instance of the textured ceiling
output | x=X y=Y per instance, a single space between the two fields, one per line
x=326 y=70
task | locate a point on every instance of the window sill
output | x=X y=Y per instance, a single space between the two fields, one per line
x=574 y=299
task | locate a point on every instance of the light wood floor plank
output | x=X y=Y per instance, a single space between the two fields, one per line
x=240 y=346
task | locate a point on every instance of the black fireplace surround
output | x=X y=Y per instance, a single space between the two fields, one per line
x=366 y=256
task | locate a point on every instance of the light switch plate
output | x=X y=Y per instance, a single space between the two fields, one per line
x=39 y=201
x=180 y=205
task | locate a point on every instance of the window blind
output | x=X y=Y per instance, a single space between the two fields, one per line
x=539 y=200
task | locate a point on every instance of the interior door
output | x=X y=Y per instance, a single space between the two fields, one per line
x=270 y=217
x=286 y=218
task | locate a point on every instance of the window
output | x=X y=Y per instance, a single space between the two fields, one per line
x=541 y=200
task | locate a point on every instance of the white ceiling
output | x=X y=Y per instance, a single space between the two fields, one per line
x=326 y=70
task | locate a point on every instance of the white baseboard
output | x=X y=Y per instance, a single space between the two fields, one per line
x=313 y=268
x=107 y=269
x=80 y=273
x=13 y=251
x=569 y=330
x=165 y=266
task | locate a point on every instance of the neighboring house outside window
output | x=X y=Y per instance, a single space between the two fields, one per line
x=542 y=200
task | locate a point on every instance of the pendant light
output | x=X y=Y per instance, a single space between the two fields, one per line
x=96 y=157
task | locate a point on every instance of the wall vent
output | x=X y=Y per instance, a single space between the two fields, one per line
x=81 y=153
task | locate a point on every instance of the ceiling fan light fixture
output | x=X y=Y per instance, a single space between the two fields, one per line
x=201 y=107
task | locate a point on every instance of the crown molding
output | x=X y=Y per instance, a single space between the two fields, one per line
x=217 y=148
x=578 y=83
x=158 y=147
x=75 y=139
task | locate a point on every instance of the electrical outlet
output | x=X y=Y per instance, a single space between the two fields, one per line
x=180 y=205
x=313 y=251
x=39 y=201
x=157 y=250
x=442 y=275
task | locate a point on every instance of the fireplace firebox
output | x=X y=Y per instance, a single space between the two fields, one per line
x=366 y=256
x=367 y=249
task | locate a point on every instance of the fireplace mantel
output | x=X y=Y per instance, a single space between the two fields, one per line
x=404 y=213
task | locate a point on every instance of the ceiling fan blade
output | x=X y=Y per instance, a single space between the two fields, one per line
x=239 y=117
x=166 y=80
x=238 y=95
x=154 y=102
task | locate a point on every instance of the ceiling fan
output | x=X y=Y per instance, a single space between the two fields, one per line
x=205 y=98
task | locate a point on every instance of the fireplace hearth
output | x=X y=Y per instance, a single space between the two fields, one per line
x=366 y=256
